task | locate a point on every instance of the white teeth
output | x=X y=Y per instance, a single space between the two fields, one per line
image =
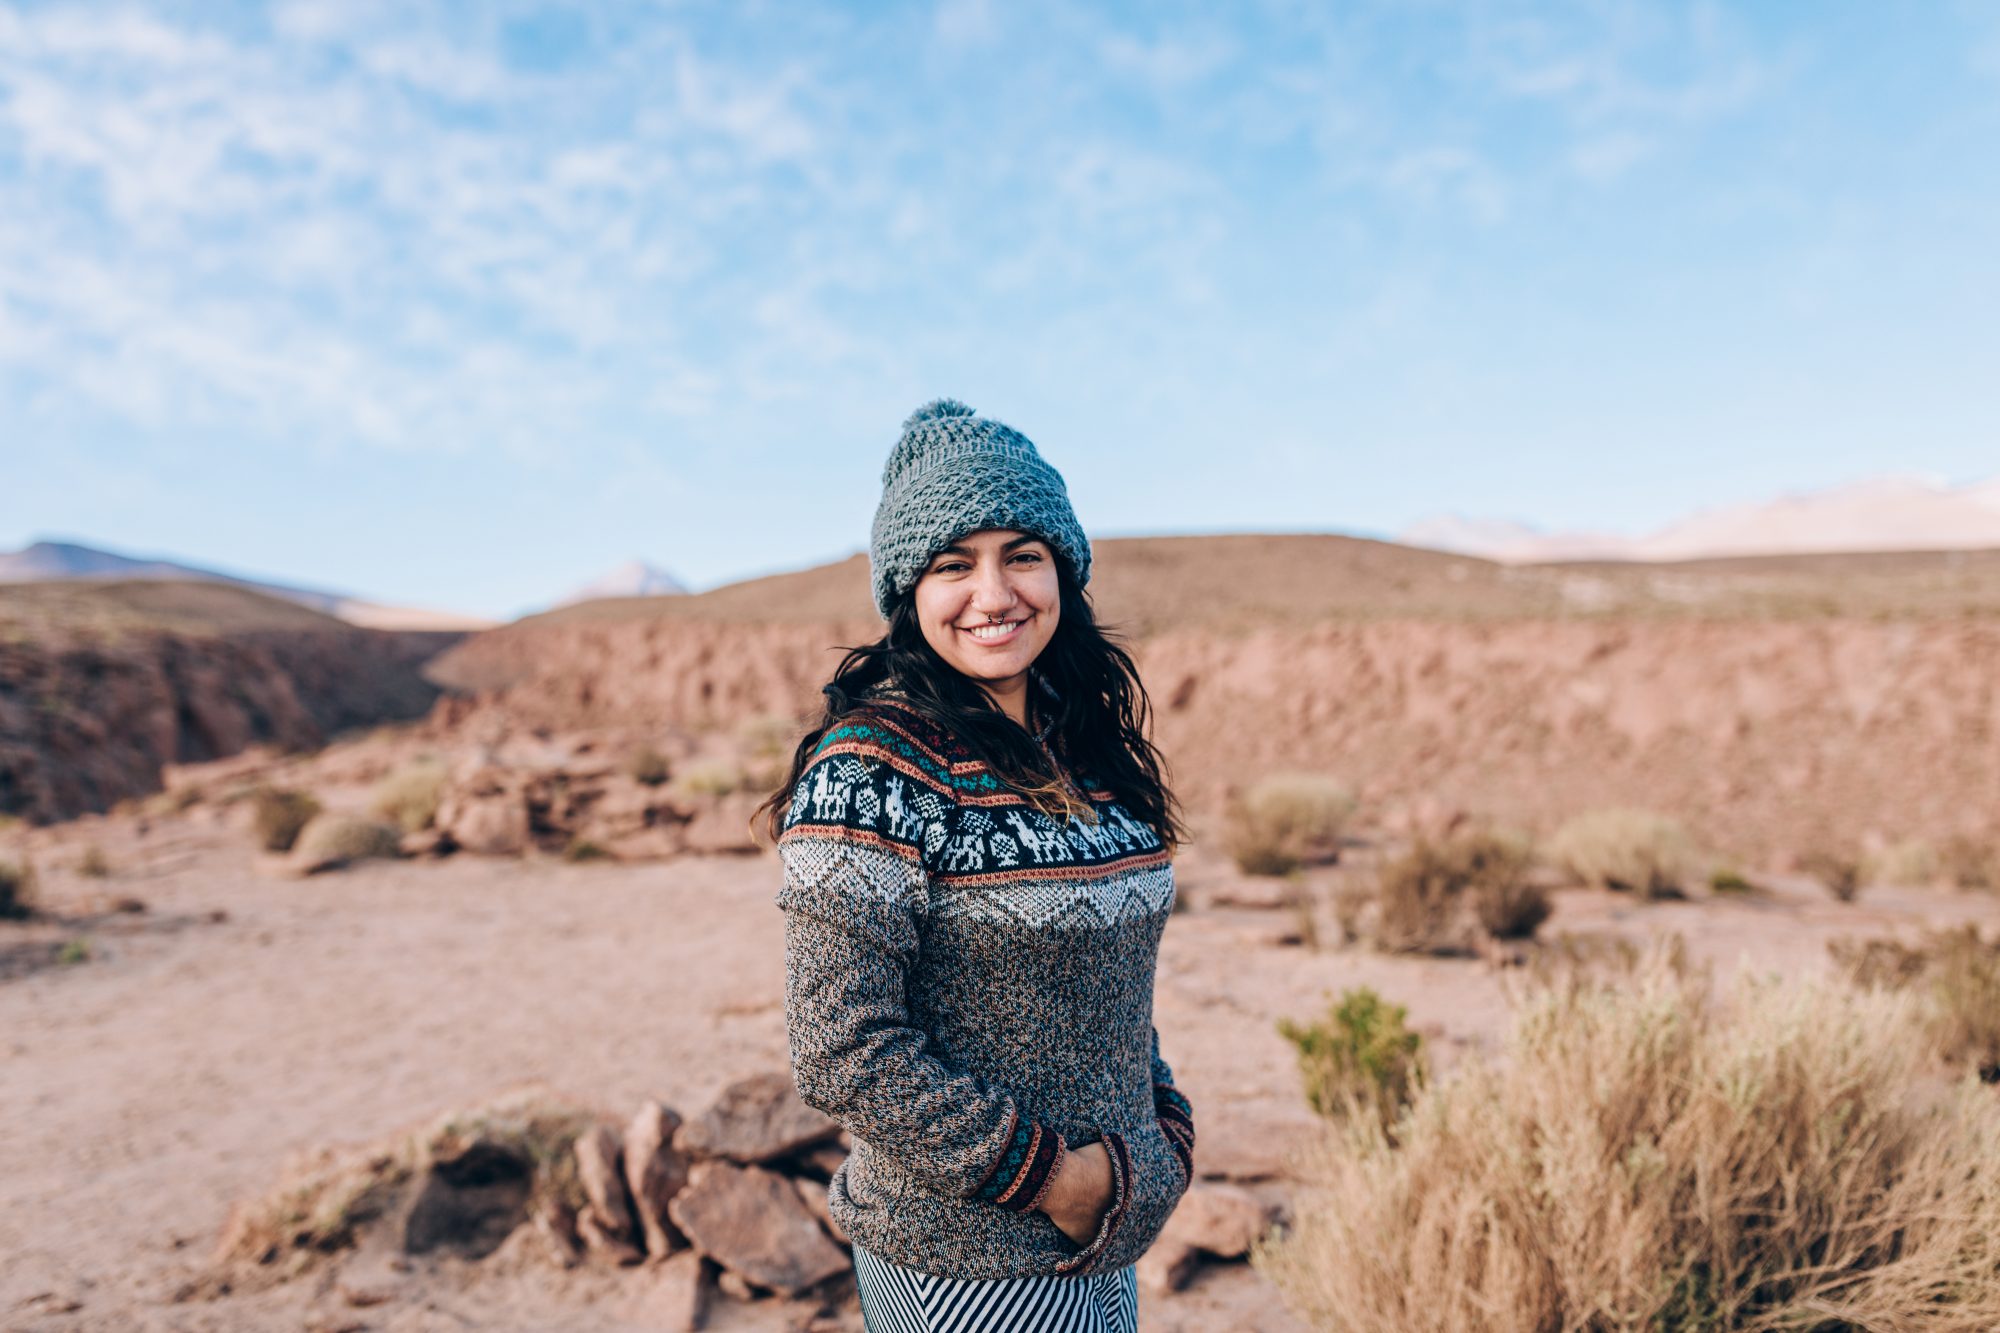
x=994 y=631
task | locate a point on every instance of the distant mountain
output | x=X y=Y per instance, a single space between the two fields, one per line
x=1893 y=513
x=634 y=578
x=50 y=561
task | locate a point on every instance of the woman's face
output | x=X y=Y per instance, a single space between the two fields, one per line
x=997 y=572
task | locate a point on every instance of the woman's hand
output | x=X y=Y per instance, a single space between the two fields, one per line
x=1080 y=1192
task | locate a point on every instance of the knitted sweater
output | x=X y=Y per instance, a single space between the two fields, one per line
x=969 y=991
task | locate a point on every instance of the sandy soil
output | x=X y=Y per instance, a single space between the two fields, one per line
x=174 y=1069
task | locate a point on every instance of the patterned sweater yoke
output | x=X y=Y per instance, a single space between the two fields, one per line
x=969 y=988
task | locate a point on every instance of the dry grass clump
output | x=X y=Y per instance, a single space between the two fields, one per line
x=1959 y=974
x=1644 y=1159
x=1967 y=862
x=279 y=814
x=1636 y=851
x=1842 y=872
x=93 y=863
x=335 y=840
x=710 y=777
x=583 y=849
x=647 y=766
x=463 y=1183
x=410 y=796
x=1360 y=1060
x=1439 y=894
x=18 y=896
x=1909 y=863
x=1285 y=821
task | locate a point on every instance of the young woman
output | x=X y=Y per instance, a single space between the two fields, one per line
x=977 y=843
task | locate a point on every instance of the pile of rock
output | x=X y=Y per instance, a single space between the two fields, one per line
x=733 y=1200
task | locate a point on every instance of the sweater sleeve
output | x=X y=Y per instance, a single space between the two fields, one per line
x=1176 y=1116
x=858 y=843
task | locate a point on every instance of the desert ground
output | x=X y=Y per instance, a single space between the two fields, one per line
x=187 y=1015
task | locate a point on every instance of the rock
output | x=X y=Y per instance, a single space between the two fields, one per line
x=821 y=1160
x=735 y=1286
x=723 y=825
x=753 y=1223
x=1222 y=1220
x=756 y=1119
x=487 y=815
x=1267 y=893
x=1218 y=1221
x=426 y=842
x=606 y=1221
x=655 y=1171
x=813 y=1194
x=680 y=1294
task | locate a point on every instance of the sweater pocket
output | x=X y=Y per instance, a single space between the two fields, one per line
x=1152 y=1185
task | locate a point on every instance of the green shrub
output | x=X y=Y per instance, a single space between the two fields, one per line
x=18 y=896
x=583 y=849
x=75 y=949
x=410 y=796
x=1634 y=851
x=279 y=814
x=1286 y=821
x=1727 y=879
x=1360 y=1060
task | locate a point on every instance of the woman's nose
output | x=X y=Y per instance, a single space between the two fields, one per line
x=991 y=592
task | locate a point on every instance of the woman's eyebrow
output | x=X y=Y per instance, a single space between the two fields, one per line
x=956 y=549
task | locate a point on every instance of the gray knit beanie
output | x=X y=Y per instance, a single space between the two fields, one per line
x=952 y=473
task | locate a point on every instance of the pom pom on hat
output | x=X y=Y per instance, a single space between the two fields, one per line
x=935 y=410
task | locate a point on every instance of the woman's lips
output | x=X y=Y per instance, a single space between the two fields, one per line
x=1013 y=632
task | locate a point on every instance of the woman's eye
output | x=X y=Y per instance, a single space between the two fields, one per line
x=1029 y=555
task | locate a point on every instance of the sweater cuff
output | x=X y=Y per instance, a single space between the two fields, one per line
x=1176 y=1118
x=1120 y=1158
x=1020 y=1177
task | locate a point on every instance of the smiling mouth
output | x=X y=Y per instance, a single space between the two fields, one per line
x=995 y=633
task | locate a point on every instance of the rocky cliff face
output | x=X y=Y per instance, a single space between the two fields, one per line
x=88 y=718
x=1767 y=737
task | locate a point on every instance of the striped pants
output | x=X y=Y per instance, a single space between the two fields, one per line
x=895 y=1299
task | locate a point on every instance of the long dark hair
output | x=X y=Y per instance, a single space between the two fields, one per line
x=1102 y=714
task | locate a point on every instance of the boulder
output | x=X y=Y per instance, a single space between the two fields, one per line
x=488 y=825
x=813 y=1193
x=754 y=1120
x=605 y=1223
x=655 y=1172
x=753 y=1223
x=1211 y=1221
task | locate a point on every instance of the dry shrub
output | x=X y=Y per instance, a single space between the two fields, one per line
x=647 y=766
x=1967 y=862
x=462 y=1183
x=1643 y=1159
x=1909 y=863
x=1611 y=957
x=583 y=849
x=1636 y=851
x=18 y=895
x=410 y=796
x=335 y=840
x=279 y=815
x=1360 y=1060
x=710 y=777
x=1841 y=872
x=93 y=864
x=1286 y=821
x=1960 y=976
x=1728 y=879
x=1433 y=897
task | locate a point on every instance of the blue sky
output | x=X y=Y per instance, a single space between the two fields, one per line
x=460 y=306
